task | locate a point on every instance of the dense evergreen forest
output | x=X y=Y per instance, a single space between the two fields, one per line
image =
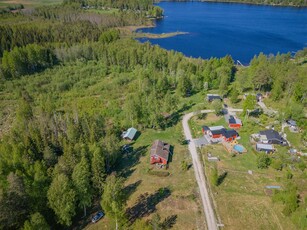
x=70 y=85
x=297 y=3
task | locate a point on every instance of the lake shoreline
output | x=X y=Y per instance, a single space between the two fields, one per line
x=237 y=2
x=240 y=30
x=132 y=31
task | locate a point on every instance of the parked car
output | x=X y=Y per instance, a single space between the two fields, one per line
x=127 y=148
x=97 y=217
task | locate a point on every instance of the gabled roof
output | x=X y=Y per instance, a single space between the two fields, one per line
x=216 y=130
x=161 y=149
x=271 y=135
x=291 y=122
x=130 y=134
x=265 y=147
x=230 y=133
x=216 y=127
x=259 y=95
x=211 y=97
x=234 y=120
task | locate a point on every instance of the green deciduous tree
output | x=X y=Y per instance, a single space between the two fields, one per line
x=249 y=103
x=62 y=199
x=113 y=200
x=36 y=221
x=81 y=180
x=263 y=161
x=218 y=106
x=184 y=86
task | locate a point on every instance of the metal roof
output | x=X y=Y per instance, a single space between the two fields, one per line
x=264 y=146
x=130 y=133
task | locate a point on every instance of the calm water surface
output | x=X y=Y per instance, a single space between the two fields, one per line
x=217 y=29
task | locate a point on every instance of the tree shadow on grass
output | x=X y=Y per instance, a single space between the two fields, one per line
x=169 y=222
x=146 y=204
x=175 y=117
x=171 y=152
x=128 y=161
x=131 y=188
x=221 y=178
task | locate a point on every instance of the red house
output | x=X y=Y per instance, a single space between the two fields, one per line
x=234 y=122
x=159 y=152
x=230 y=135
x=217 y=132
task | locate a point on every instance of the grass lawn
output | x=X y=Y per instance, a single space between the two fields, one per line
x=295 y=139
x=241 y=198
x=181 y=198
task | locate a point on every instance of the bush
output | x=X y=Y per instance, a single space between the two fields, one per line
x=263 y=161
x=184 y=166
x=289 y=175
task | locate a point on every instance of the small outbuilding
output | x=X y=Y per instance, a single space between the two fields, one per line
x=159 y=153
x=259 y=97
x=234 y=122
x=212 y=97
x=129 y=134
x=267 y=148
x=291 y=123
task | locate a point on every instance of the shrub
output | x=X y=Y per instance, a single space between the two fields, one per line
x=263 y=161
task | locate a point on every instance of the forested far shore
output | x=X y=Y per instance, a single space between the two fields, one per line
x=295 y=3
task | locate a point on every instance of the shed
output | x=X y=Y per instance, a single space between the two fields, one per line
x=291 y=123
x=259 y=97
x=129 y=134
x=213 y=158
x=265 y=148
x=212 y=97
x=234 y=122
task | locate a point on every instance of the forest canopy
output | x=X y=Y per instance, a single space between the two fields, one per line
x=70 y=84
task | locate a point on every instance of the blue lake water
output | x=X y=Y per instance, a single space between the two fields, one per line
x=218 y=29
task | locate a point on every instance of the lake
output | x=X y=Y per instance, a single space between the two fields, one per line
x=241 y=30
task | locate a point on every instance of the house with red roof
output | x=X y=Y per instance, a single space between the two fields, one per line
x=159 y=153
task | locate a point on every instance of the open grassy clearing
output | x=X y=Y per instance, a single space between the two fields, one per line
x=182 y=196
x=28 y=3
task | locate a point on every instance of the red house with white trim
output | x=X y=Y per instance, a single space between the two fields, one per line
x=159 y=153
x=217 y=132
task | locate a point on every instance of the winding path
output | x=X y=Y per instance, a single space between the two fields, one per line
x=199 y=173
